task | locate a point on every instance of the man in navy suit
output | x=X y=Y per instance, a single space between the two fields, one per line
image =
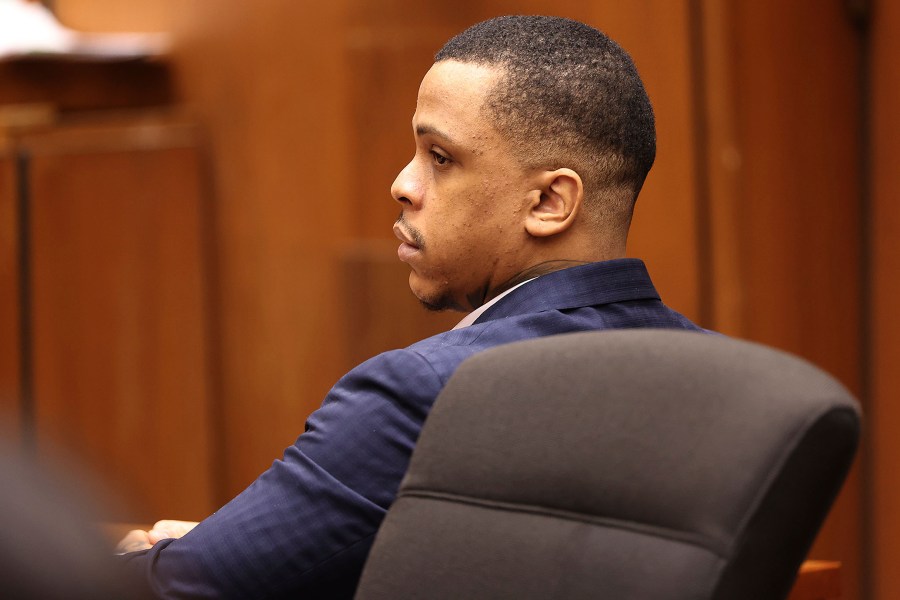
x=533 y=137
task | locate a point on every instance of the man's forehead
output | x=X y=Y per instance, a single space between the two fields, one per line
x=457 y=82
x=452 y=94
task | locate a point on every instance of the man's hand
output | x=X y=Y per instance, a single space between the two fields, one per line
x=162 y=530
x=135 y=540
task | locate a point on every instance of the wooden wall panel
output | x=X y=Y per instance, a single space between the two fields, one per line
x=278 y=120
x=10 y=401
x=120 y=344
x=267 y=80
x=788 y=220
x=720 y=170
x=84 y=15
x=884 y=324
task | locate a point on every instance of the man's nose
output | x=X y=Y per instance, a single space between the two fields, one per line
x=406 y=188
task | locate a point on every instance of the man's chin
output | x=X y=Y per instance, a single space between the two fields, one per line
x=437 y=306
x=438 y=303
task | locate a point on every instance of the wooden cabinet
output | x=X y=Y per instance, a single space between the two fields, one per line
x=106 y=307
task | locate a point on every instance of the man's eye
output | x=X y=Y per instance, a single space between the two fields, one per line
x=439 y=159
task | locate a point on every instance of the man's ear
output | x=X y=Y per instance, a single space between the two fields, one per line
x=556 y=204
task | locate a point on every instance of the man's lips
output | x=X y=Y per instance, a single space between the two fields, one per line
x=403 y=237
x=408 y=248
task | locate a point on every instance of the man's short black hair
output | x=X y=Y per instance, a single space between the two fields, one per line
x=569 y=97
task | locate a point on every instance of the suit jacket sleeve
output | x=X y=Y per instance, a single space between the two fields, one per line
x=306 y=524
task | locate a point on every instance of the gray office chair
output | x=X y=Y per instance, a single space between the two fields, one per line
x=619 y=465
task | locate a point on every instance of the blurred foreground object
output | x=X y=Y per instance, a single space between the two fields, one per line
x=28 y=28
x=49 y=548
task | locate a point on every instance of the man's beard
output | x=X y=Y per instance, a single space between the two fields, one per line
x=445 y=301
x=439 y=304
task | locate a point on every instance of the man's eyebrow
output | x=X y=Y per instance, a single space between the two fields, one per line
x=431 y=130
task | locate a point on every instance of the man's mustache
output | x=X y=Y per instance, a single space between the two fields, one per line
x=414 y=234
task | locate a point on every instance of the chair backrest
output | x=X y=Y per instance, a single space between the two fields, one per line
x=639 y=464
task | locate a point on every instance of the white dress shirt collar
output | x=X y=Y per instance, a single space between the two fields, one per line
x=473 y=316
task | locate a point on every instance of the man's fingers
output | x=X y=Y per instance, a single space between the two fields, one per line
x=135 y=540
x=168 y=528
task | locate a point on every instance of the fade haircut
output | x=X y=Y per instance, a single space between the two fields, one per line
x=568 y=96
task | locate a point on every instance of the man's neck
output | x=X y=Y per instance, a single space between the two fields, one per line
x=532 y=272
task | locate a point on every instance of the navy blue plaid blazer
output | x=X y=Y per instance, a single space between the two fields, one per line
x=305 y=526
